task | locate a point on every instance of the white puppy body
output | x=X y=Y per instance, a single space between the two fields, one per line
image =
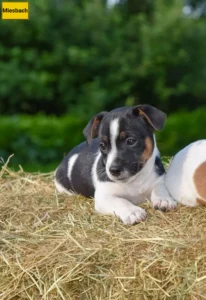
x=186 y=176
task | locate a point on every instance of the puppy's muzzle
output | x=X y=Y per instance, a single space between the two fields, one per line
x=115 y=170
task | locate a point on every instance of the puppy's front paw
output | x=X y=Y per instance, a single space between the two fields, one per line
x=136 y=216
x=164 y=204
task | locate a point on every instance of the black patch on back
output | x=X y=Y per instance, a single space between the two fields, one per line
x=81 y=177
x=159 y=168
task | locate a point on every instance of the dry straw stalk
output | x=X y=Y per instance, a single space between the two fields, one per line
x=56 y=247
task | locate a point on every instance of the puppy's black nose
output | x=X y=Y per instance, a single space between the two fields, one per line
x=115 y=170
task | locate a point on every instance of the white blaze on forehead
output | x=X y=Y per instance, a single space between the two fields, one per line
x=114 y=132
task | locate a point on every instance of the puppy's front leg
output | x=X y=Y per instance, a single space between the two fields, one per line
x=113 y=205
x=160 y=197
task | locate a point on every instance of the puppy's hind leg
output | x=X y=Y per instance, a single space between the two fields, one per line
x=125 y=210
x=61 y=189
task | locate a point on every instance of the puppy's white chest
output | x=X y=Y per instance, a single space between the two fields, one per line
x=138 y=191
x=134 y=192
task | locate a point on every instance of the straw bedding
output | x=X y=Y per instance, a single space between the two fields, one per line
x=56 y=247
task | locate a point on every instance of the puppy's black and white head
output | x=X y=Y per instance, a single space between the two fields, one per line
x=126 y=139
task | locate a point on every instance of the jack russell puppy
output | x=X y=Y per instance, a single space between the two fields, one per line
x=122 y=167
x=186 y=176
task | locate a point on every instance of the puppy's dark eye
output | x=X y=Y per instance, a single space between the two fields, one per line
x=131 y=142
x=102 y=146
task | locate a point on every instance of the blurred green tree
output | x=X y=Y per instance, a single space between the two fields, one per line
x=82 y=56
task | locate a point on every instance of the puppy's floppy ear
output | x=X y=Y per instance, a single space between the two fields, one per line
x=92 y=128
x=155 y=117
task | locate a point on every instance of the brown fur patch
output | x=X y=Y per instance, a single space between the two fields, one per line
x=105 y=139
x=200 y=201
x=145 y=117
x=148 y=149
x=94 y=128
x=122 y=135
x=199 y=179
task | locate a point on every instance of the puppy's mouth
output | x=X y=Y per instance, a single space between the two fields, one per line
x=127 y=175
x=120 y=178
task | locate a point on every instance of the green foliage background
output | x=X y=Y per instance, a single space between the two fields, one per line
x=73 y=59
x=39 y=143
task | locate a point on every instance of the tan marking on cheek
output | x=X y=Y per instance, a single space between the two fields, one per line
x=200 y=201
x=148 y=149
x=199 y=179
